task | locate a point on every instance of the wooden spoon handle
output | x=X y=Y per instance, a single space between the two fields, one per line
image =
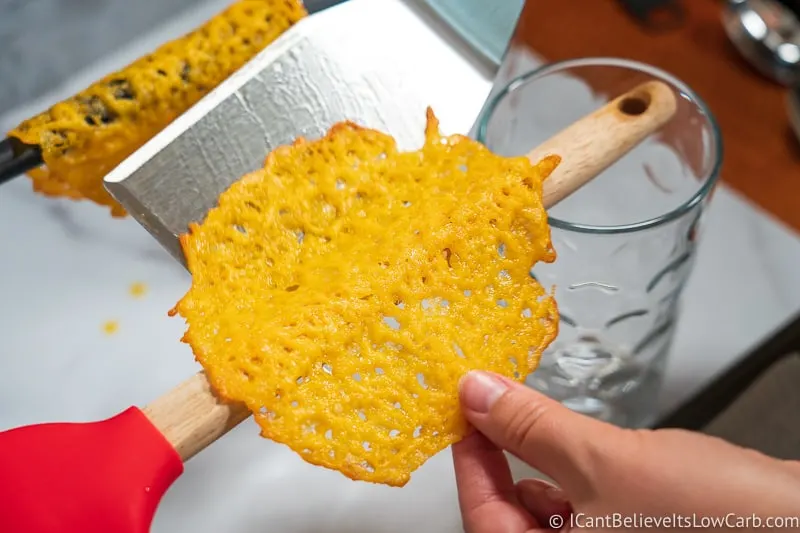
x=592 y=144
x=191 y=417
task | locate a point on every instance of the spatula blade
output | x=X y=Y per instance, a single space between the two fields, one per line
x=375 y=62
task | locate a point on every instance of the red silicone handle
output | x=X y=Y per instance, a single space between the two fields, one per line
x=98 y=477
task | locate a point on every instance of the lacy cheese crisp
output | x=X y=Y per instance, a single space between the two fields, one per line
x=343 y=290
x=83 y=138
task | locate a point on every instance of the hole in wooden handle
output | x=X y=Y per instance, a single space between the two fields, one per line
x=635 y=104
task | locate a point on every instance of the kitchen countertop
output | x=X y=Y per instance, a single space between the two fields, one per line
x=31 y=30
x=67 y=269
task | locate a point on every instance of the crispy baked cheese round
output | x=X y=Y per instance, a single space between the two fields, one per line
x=343 y=290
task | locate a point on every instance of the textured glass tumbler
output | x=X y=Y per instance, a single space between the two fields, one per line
x=625 y=242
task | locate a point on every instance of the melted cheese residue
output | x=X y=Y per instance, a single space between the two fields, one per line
x=110 y=327
x=137 y=290
x=83 y=138
x=343 y=290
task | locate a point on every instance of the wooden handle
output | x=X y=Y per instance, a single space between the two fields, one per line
x=593 y=143
x=191 y=416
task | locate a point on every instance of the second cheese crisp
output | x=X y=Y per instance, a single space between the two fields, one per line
x=84 y=137
x=343 y=290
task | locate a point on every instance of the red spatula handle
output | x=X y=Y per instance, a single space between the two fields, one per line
x=98 y=477
x=108 y=476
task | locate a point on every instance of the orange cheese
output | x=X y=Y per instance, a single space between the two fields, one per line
x=343 y=290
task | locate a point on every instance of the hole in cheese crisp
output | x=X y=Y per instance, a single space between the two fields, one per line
x=353 y=338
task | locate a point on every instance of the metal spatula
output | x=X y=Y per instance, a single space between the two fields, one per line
x=363 y=60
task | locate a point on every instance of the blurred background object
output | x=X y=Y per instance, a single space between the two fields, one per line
x=794 y=110
x=656 y=15
x=767 y=34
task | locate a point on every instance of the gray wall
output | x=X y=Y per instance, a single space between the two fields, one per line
x=42 y=42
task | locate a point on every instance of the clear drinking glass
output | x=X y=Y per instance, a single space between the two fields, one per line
x=625 y=242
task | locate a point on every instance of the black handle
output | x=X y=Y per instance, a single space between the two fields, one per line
x=17 y=158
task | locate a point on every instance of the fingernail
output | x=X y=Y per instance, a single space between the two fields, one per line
x=480 y=390
x=556 y=496
x=542 y=499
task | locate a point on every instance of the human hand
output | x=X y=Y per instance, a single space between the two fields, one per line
x=603 y=470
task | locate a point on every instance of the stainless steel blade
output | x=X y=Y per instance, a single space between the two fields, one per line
x=315 y=6
x=487 y=26
x=375 y=62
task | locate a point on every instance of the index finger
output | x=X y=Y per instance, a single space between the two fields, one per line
x=486 y=492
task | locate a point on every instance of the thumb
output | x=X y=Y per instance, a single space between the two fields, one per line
x=566 y=446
